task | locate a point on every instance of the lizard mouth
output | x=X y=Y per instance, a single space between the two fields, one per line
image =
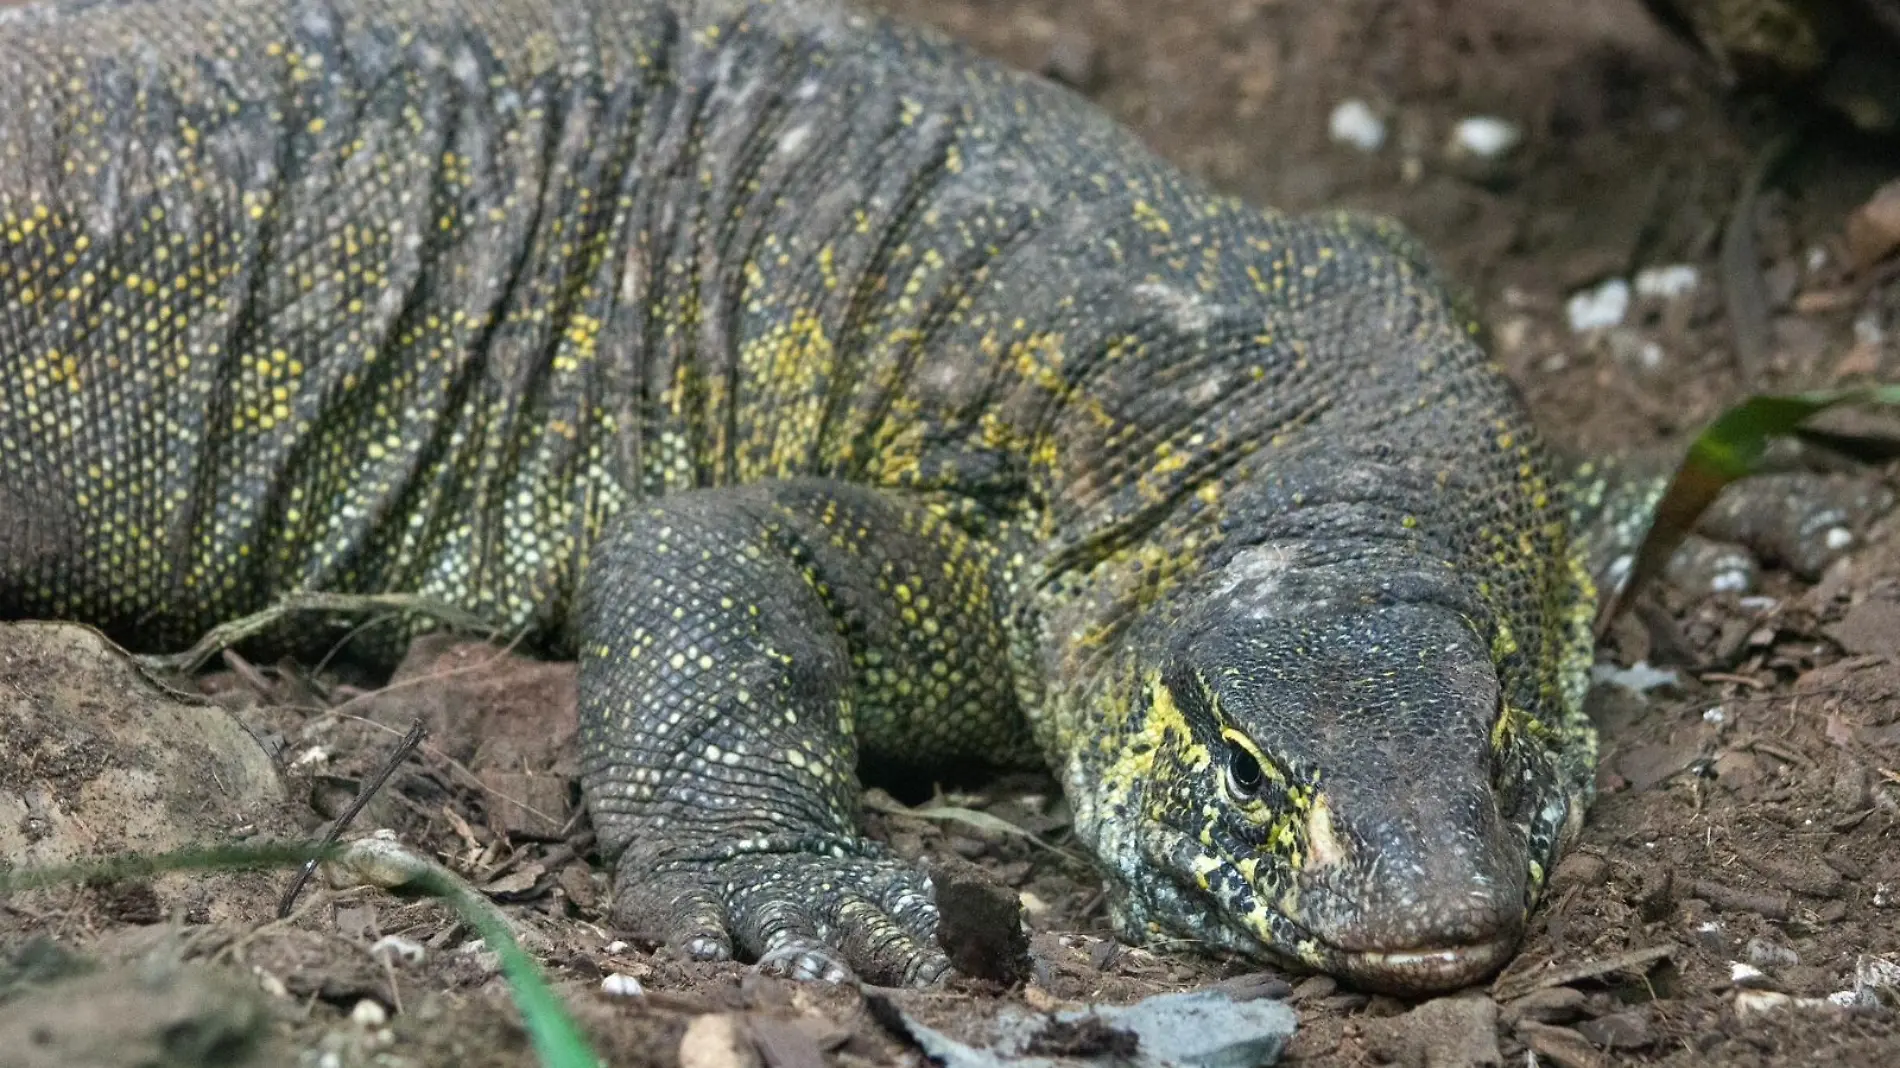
x=1422 y=970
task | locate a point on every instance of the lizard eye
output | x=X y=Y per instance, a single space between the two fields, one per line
x=1244 y=776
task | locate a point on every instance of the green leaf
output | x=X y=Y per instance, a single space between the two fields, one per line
x=1730 y=448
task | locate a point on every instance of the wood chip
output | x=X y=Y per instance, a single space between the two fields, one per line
x=1873 y=231
x=1510 y=987
x=1561 y=1046
x=1730 y=899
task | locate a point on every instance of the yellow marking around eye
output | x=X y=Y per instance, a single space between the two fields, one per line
x=1267 y=767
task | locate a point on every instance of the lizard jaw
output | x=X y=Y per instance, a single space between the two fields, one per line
x=1423 y=970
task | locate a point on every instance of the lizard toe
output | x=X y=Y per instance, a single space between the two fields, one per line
x=675 y=907
x=804 y=915
x=829 y=918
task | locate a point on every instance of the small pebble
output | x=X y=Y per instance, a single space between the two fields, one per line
x=1599 y=308
x=1486 y=136
x=1354 y=123
x=1638 y=677
x=1766 y=954
x=1074 y=59
x=1838 y=538
x=1868 y=331
x=1757 y=1002
x=1667 y=283
x=369 y=1013
x=1748 y=976
x=621 y=985
x=1581 y=869
x=1876 y=973
x=399 y=950
x=1619 y=1030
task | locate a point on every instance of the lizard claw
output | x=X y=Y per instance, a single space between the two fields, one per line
x=802 y=915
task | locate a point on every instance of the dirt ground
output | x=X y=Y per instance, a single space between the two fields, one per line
x=1741 y=866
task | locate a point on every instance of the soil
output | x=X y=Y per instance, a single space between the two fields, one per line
x=1742 y=864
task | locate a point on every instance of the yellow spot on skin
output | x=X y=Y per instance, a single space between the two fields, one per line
x=1322 y=846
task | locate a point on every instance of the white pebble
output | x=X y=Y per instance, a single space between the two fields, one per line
x=1876 y=973
x=1715 y=715
x=1667 y=283
x=1734 y=580
x=369 y=1013
x=1838 y=538
x=622 y=985
x=1485 y=136
x=1746 y=975
x=391 y=947
x=1868 y=331
x=1354 y=123
x=1757 y=1002
x=1599 y=308
x=1619 y=571
x=1638 y=677
x=615 y=946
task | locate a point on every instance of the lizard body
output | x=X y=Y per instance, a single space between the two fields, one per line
x=837 y=397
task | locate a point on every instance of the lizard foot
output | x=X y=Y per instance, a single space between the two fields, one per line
x=800 y=914
x=1803 y=520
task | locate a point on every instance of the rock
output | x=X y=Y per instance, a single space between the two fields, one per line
x=980 y=925
x=1871 y=626
x=1074 y=59
x=1619 y=1030
x=1455 y=1032
x=718 y=1040
x=485 y=706
x=1556 y=1004
x=100 y=761
x=527 y=805
x=1354 y=123
x=1765 y=954
x=1561 y=1046
x=1197 y=1029
x=160 y=1014
x=1748 y=977
x=1584 y=870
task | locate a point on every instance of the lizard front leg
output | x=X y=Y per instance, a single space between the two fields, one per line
x=739 y=649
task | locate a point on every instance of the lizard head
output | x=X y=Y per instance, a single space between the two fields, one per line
x=1334 y=775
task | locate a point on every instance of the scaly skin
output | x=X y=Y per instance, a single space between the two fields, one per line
x=840 y=399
